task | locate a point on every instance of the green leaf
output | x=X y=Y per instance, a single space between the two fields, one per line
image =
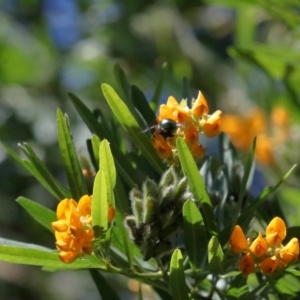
x=140 y=102
x=123 y=238
x=73 y=169
x=45 y=258
x=238 y=288
x=195 y=238
x=96 y=146
x=123 y=165
x=215 y=256
x=99 y=205
x=123 y=84
x=196 y=184
x=108 y=167
x=158 y=90
x=177 y=278
x=132 y=128
x=41 y=173
x=105 y=290
x=122 y=202
x=40 y=213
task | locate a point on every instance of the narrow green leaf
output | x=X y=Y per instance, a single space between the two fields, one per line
x=123 y=83
x=215 y=256
x=73 y=170
x=122 y=201
x=99 y=205
x=107 y=165
x=196 y=184
x=122 y=234
x=141 y=103
x=132 y=128
x=158 y=90
x=105 y=290
x=40 y=213
x=42 y=174
x=123 y=165
x=195 y=238
x=177 y=278
x=44 y=258
x=96 y=146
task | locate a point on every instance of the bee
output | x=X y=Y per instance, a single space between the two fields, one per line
x=166 y=128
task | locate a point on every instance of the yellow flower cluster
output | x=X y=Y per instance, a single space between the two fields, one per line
x=73 y=231
x=270 y=133
x=191 y=122
x=266 y=254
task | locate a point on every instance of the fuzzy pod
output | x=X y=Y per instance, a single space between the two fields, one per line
x=150 y=209
x=168 y=178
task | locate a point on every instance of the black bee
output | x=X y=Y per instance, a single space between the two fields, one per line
x=166 y=128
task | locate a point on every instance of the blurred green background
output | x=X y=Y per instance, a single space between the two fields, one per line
x=239 y=53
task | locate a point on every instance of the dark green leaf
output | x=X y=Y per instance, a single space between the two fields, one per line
x=106 y=291
x=156 y=96
x=142 y=105
x=177 y=278
x=196 y=184
x=41 y=173
x=123 y=165
x=96 y=146
x=40 y=213
x=123 y=84
x=195 y=238
x=132 y=128
x=215 y=256
x=73 y=169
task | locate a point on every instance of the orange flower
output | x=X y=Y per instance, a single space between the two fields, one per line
x=238 y=242
x=73 y=231
x=267 y=253
x=269 y=265
x=259 y=246
x=212 y=125
x=275 y=232
x=161 y=146
x=290 y=252
x=246 y=265
x=242 y=131
x=191 y=122
x=200 y=106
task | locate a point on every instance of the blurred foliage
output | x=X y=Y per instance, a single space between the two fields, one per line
x=239 y=53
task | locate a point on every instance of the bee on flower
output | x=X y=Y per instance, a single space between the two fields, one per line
x=178 y=120
x=265 y=254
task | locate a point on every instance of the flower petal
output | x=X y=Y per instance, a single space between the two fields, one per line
x=259 y=246
x=238 y=242
x=269 y=265
x=290 y=252
x=212 y=126
x=246 y=265
x=200 y=106
x=275 y=232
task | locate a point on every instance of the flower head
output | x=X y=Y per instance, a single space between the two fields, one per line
x=192 y=121
x=270 y=133
x=73 y=231
x=265 y=253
